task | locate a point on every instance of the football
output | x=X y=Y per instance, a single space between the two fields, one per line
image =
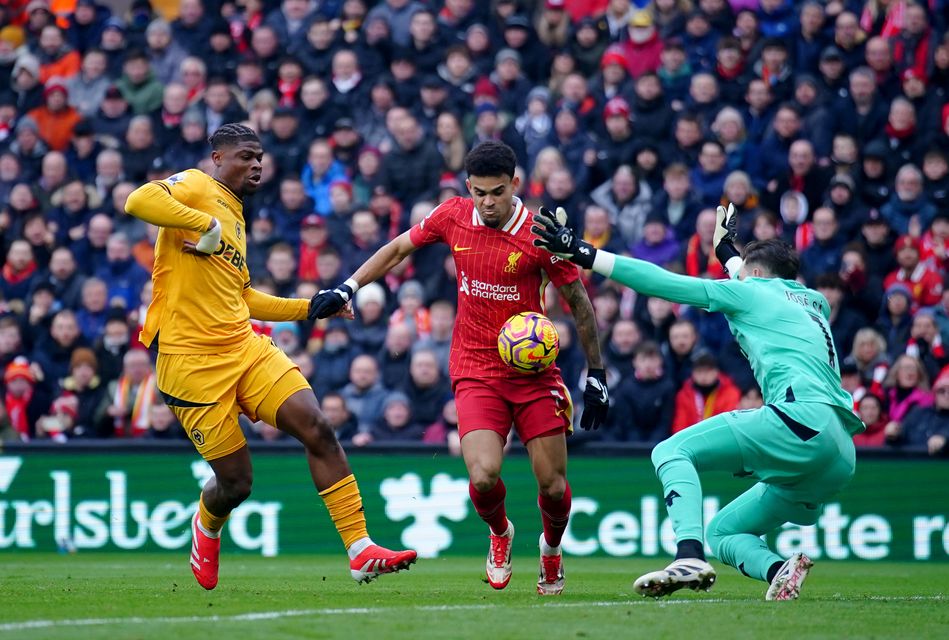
x=528 y=342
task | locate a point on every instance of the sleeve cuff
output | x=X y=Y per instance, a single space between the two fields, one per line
x=603 y=263
x=734 y=265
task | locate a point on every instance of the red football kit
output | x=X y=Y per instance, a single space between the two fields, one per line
x=499 y=273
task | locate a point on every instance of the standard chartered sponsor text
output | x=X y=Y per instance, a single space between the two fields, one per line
x=492 y=291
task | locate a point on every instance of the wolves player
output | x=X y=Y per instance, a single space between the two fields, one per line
x=500 y=273
x=798 y=447
x=211 y=365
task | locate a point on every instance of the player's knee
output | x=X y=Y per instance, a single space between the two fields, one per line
x=553 y=487
x=662 y=453
x=236 y=490
x=483 y=479
x=317 y=434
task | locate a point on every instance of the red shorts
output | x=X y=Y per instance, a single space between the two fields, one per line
x=535 y=405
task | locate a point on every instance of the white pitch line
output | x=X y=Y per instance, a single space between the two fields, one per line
x=297 y=613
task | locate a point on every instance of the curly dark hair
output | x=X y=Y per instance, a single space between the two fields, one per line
x=491 y=158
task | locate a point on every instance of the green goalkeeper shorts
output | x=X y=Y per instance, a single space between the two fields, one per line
x=802 y=448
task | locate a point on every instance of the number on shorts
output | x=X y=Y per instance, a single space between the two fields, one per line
x=828 y=340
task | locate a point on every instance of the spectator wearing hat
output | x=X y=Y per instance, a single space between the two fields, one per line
x=908 y=210
x=895 y=318
x=832 y=74
x=618 y=146
x=396 y=424
x=24 y=400
x=368 y=333
x=82 y=394
x=534 y=58
x=841 y=197
x=314 y=241
x=588 y=44
x=552 y=24
x=873 y=180
x=936 y=178
x=706 y=393
x=535 y=124
x=925 y=285
x=188 y=149
x=28 y=148
x=12 y=38
x=816 y=119
x=411 y=310
x=138 y=84
x=511 y=83
x=641 y=44
x=84 y=25
x=613 y=80
x=113 y=117
x=114 y=43
x=164 y=54
x=25 y=83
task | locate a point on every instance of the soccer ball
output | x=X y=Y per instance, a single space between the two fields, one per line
x=528 y=342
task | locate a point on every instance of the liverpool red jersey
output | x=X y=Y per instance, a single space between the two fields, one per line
x=500 y=272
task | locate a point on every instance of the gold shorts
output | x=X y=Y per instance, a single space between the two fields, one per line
x=207 y=392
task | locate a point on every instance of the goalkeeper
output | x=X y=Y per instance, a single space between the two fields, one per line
x=798 y=447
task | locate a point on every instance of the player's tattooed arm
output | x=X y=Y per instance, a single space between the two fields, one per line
x=576 y=296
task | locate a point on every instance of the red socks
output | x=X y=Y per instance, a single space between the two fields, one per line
x=490 y=506
x=555 y=514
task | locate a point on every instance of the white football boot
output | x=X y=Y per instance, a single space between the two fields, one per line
x=498 y=567
x=787 y=582
x=693 y=573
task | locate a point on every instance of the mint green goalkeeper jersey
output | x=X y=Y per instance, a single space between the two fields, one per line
x=782 y=326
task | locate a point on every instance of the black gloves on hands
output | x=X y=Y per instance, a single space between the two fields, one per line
x=596 y=400
x=329 y=302
x=553 y=234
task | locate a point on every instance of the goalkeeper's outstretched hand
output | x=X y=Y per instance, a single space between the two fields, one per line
x=553 y=234
x=726 y=231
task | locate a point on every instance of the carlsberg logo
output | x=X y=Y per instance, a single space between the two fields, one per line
x=119 y=521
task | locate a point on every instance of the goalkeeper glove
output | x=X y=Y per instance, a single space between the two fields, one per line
x=726 y=230
x=596 y=400
x=210 y=240
x=555 y=236
x=328 y=302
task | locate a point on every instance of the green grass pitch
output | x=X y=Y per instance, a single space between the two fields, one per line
x=141 y=596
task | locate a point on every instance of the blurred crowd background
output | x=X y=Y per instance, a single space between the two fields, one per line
x=826 y=123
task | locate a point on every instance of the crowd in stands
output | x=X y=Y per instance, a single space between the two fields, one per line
x=826 y=123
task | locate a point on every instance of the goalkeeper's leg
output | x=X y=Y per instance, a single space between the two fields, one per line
x=709 y=445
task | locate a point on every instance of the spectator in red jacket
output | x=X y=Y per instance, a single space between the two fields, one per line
x=708 y=392
x=642 y=45
x=925 y=285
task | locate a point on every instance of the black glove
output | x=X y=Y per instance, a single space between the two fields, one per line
x=726 y=231
x=553 y=235
x=596 y=400
x=328 y=303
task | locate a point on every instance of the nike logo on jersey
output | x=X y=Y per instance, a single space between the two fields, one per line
x=457 y=248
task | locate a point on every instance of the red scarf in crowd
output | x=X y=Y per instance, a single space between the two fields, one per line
x=16 y=277
x=900 y=134
x=288 y=90
x=693 y=258
x=16 y=409
x=141 y=397
x=936 y=348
